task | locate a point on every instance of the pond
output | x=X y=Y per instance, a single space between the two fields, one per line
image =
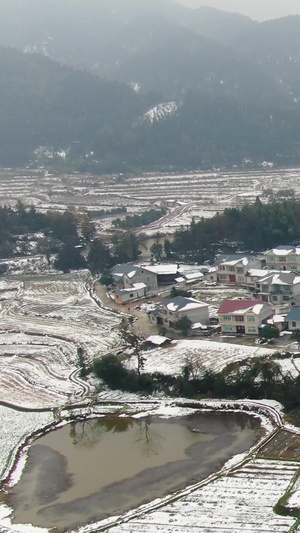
x=88 y=471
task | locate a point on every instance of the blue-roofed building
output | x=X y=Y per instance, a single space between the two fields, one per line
x=293 y=318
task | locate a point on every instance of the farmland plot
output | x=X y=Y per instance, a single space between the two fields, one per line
x=240 y=502
x=202 y=354
x=41 y=330
x=193 y=194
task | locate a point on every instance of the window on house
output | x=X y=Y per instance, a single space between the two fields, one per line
x=222 y=276
x=274 y=298
x=286 y=298
x=240 y=278
x=131 y=295
x=226 y=317
x=286 y=287
x=148 y=279
x=222 y=268
x=239 y=318
x=231 y=269
x=250 y=319
x=281 y=259
x=227 y=328
x=251 y=330
x=294 y=324
x=240 y=270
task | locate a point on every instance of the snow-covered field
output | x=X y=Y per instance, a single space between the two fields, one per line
x=240 y=502
x=208 y=355
x=41 y=329
x=186 y=195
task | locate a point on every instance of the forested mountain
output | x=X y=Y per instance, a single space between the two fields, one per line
x=159 y=45
x=45 y=104
x=222 y=87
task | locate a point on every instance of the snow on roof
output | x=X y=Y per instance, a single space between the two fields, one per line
x=120 y=270
x=241 y=306
x=132 y=273
x=134 y=287
x=162 y=269
x=260 y=273
x=276 y=319
x=284 y=249
x=194 y=275
x=181 y=303
x=157 y=339
x=281 y=278
x=233 y=259
x=257 y=308
x=139 y=285
x=198 y=325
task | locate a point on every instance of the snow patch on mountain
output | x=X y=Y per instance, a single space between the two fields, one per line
x=160 y=111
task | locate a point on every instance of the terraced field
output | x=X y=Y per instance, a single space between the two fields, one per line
x=185 y=196
x=242 y=501
x=41 y=328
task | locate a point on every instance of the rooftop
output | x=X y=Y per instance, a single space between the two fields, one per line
x=181 y=303
x=284 y=249
x=294 y=314
x=241 y=306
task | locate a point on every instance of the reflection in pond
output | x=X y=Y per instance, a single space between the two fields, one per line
x=89 y=470
x=88 y=433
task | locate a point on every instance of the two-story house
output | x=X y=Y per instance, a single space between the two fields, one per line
x=243 y=316
x=278 y=288
x=167 y=313
x=233 y=268
x=126 y=276
x=283 y=257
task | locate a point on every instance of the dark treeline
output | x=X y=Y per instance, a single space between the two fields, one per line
x=67 y=235
x=254 y=228
x=135 y=221
x=19 y=221
x=107 y=212
x=257 y=378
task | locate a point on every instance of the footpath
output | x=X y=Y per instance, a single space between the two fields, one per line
x=141 y=325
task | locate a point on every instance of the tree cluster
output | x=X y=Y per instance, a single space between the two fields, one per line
x=135 y=221
x=253 y=228
x=257 y=378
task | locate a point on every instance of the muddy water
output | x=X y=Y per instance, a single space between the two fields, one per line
x=88 y=471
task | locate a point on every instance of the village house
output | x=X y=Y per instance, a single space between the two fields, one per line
x=165 y=273
x=167 y=313
x=278 y=288
x=283 y=257
x=254 y=275
x=136 y=291
x=243 y=316
x=127 y=276
x=234 y=268
x=293 y=319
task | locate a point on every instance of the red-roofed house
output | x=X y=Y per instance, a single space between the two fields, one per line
x=243 y=316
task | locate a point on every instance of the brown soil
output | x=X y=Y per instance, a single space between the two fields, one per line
x=141 y=326
x=284 y=445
